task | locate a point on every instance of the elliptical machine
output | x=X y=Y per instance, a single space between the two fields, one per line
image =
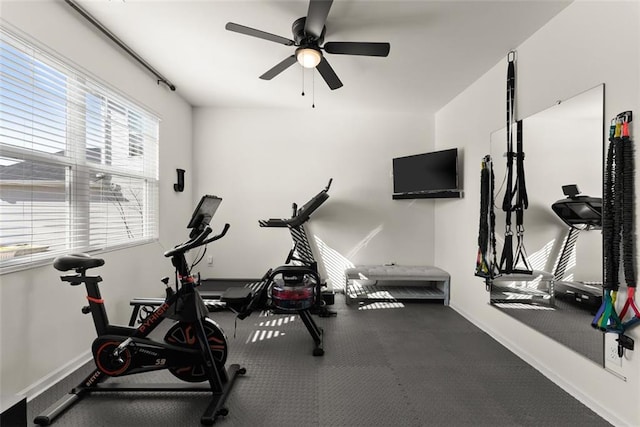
x=194 y=348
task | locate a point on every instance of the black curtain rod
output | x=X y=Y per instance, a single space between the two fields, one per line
x=86 y=15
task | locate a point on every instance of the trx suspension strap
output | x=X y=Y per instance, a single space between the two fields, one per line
x=486 y=259
x=515 y=196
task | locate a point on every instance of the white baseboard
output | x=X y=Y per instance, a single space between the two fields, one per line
x=42 y=385
x=561 y=382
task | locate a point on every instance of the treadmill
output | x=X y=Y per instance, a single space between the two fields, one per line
x=580 y=213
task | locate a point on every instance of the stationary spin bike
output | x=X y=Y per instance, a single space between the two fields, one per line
x=194 y=348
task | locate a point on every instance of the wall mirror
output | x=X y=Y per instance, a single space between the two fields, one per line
x=563 y=147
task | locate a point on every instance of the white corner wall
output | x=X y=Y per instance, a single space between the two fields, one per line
x=43 y=330
x=260 y=161
x=586 y=44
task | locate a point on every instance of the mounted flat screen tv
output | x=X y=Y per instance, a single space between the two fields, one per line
x=428 y=175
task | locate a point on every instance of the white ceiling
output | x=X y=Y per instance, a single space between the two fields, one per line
x=438 y=48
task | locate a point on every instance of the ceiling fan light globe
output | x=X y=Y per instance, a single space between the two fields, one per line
x=308 y=57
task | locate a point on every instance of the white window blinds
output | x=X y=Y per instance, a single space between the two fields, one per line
x=78 y=162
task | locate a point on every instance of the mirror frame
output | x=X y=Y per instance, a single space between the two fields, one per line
x=592 y=349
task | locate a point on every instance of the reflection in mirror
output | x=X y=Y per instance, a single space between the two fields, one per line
x=563 y=148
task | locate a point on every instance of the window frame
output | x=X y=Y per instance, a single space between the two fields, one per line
x=142 y=138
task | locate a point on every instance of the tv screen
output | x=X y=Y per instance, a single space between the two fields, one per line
x=428 y=172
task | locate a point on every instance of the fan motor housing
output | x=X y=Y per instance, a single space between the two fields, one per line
x=301 y=38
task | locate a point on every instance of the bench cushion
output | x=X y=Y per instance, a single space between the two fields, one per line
x=521 y=277
x=395 y=272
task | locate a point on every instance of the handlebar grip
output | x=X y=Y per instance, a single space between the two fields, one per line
x=219 y=236
x=196 y=241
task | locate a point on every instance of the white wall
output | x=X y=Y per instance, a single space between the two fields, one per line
x=42 y=327
x=586 y=44
x=260 y=161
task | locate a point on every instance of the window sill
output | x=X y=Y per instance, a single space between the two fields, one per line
x=16 y=265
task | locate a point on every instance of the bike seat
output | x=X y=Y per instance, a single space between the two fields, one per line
x=77 y=262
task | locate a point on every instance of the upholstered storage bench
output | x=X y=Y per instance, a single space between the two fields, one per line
x=369 y=283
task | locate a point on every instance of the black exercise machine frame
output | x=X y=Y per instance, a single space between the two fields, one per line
x=244 y=301
x=192 y=310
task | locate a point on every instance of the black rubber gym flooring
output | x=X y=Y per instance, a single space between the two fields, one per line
x=385 y=364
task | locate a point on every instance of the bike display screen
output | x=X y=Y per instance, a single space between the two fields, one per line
x=205 y=210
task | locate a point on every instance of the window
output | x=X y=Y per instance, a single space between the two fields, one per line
x=78 y=162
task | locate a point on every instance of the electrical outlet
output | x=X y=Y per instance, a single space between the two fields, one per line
x=611 y=349
x=210 y=260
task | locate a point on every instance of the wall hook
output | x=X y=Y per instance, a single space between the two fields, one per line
x=179 y=186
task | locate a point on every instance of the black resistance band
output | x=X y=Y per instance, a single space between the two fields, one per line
x=485 y=262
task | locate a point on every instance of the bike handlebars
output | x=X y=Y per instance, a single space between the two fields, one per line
x=199 y=240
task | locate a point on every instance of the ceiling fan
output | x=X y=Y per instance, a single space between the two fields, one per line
x=308 y=36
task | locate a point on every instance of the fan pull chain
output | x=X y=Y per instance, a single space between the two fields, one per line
x=302 y=80
x=313 y=89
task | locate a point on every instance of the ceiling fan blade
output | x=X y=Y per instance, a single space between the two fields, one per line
x=283 y=65
x=257 y=33
x=317 y=17
x=358 y=48
x=329 y=75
